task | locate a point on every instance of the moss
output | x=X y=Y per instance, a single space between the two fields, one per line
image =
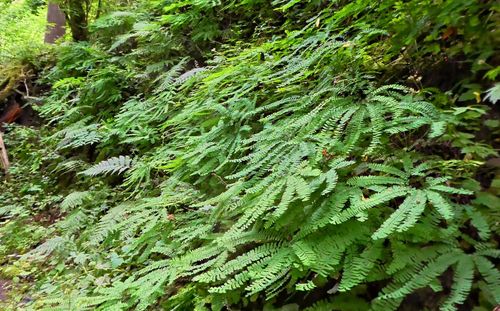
x=11 y=77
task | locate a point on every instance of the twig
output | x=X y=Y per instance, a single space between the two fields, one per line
x=220 y=179
x=26 y=87
x=19 y=92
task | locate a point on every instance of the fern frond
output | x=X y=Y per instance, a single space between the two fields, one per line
x=442 y=206
x=479 y=222
x=74 y=199
x=116 y=165
x=387 y=169
x=446 y=189
x=360 y=205
x=356 y=269
x=425 y=276
x=490 y=274
x=462 y=283
x=364 y=181
x=405 y=216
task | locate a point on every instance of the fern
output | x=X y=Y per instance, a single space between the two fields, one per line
x=80 y=136
x=272 y=162
x=462 y=283
x=405 y=217
x=440 y=204
x=115 y=165
x=357 y=268
x=47 y=248
x=424 y=277
x=74 y=199
x=490 y=274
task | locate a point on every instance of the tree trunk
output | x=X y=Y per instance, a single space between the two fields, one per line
x=77 y=18
x=56 y=23
x=99 y=7
x=4 y=160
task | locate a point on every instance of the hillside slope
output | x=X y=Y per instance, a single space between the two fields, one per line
x=258 y=155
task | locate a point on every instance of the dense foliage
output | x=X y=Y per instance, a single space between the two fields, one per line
x=21 y=38
x=250 y=155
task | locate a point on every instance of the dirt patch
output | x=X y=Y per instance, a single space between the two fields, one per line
x=48 y=217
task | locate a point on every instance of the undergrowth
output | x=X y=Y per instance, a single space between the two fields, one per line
x=250 y=155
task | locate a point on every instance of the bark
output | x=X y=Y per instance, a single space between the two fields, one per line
x=56 y=23
x=99 y=7
x=77 y=19
x=4 y=160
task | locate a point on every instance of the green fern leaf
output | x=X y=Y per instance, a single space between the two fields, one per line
x=116 y=165
x=74 y=199
x=356 y=269
x=462 y=283
x=404 y=217
x=425 y=276
x=490 y=274
x=443 y=207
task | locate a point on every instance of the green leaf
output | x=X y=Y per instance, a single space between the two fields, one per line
x=493 y=94
x=443 y=207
